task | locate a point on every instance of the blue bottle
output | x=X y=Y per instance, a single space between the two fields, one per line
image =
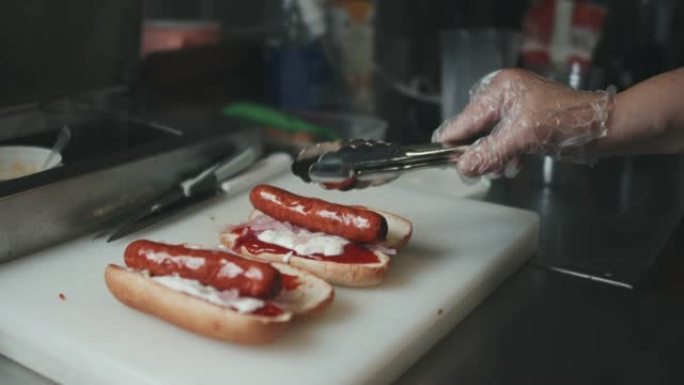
x=296 y=66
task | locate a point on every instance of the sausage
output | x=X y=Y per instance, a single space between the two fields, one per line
x=218 y=269
x=352 y=223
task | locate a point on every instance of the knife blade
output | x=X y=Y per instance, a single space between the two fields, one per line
x=188 y=193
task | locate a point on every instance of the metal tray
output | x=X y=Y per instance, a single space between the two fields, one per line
x=110 y=166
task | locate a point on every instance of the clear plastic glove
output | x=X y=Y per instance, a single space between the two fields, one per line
x=529 y=114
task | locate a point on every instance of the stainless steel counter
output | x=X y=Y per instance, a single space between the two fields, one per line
x=542 y=327
x=620 y=221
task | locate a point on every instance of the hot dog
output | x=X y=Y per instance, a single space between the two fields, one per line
x=345 y=245
x=185 y=287
x=352 y=223
x=210 y=267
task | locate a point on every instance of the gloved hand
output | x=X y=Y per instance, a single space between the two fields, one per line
x=529 y=114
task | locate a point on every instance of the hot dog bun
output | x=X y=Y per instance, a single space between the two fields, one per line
x=399 y=231
x=310 y=296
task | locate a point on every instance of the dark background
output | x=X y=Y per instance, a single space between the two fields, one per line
x=52 y=49
x=62 y=48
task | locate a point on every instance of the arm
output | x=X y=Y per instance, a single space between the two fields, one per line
x=648 y=118
x=531 y=114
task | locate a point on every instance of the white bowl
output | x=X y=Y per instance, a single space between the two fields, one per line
x=19 y=161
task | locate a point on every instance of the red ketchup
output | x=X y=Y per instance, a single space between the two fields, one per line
x=352 y=253
x=289 y=282
x=269 y=310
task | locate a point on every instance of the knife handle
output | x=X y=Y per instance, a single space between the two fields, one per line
x=218 y=172
x=233 y=165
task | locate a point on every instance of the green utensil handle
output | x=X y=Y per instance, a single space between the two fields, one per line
x=277 y=119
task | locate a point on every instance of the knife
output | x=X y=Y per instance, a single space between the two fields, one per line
x=196 y=189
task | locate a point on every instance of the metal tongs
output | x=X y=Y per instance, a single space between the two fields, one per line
x=360 y=163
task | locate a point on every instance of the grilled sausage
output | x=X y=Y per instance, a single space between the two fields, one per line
x=352 y=223
x=215 y=268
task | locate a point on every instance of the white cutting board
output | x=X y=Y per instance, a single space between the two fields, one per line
x=461 y=250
